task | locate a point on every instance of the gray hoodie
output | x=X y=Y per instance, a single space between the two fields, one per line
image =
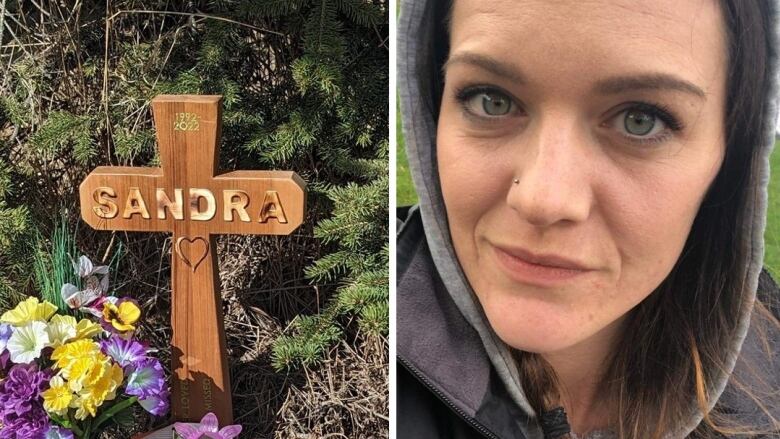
x=444 y=337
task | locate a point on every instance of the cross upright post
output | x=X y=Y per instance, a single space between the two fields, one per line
x=187 y=196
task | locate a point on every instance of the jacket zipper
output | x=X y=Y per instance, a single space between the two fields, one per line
x=468 y=419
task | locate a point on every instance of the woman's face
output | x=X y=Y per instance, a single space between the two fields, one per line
x=576 y=142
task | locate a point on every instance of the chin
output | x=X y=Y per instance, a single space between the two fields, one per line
x=535 y=340
x=539 y=328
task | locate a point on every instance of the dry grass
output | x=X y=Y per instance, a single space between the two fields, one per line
x=339 y=400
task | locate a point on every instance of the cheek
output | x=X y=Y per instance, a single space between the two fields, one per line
x=649 y=217
x=475 y=176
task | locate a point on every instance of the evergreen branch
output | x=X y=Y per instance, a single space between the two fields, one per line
x=362 y=13
x=191 y=14
x=276 y=8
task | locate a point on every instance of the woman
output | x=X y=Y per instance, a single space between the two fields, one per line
x=586 y=259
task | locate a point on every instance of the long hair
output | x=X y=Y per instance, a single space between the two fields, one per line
x=673 y=346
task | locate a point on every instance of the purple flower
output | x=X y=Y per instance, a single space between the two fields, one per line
x=30 y=427
x=157 y=405
x=145 y=378
x=21 y=407
x=5 y=360
x=6 y=331
x=209 y=427
x=58 y=433
x=124 y=352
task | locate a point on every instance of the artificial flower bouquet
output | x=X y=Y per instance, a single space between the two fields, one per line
x=67 y=377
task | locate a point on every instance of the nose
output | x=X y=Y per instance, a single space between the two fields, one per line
x=552 y=182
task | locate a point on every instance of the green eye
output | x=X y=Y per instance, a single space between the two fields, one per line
x=488 y=104
x=496 y=104
x=638 y=123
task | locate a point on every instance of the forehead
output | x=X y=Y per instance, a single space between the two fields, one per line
x=596 y=37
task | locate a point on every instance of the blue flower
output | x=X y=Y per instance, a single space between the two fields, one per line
x=58 y=433
x=145 y=378
x=124 y=352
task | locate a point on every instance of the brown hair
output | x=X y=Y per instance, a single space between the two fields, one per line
x=675 y=338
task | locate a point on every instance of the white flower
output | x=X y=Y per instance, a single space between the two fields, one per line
x=84 y=267
x=27 y=341
x=60 y=330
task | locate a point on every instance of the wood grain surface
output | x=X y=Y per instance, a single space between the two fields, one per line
x=188 y=197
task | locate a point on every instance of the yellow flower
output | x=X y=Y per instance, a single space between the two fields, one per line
x=90 y=373
x=84 y=405
x=100 y=386
x=57 y=398
x=87 y=329
x=104 y=387
x=84 y=366
x=69 y=353
x=61 y=329
x=97 y=370
x=121 y=317
x=28 y=311
x=77 y=371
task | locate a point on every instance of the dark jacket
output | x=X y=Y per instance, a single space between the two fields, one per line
x=446 y=385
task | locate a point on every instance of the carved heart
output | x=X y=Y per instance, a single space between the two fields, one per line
x=192 y=251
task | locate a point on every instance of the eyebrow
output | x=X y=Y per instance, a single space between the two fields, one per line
x=614 y=85
x=490 y=64
x=650 y=81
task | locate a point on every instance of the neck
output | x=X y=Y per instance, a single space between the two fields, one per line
x=580 y=371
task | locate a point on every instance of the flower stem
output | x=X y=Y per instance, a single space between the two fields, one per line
x=116 y=408
x=87 y=429
x=66 y=424
x=74 y=428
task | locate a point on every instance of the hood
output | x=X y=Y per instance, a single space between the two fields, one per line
x=421 y=36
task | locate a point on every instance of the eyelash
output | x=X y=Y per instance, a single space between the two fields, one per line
x=659 y=111
x=463 y=95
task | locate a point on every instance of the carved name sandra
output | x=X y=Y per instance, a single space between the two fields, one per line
x=202 y=205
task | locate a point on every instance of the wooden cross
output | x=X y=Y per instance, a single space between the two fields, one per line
x=186 y=196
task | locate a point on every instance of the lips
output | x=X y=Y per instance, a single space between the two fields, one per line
x=547 y=260
x=536 y=268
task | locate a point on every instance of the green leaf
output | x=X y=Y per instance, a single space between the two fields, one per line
x=125 y=417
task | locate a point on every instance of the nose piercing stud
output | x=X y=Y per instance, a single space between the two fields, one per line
x=516 y=181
